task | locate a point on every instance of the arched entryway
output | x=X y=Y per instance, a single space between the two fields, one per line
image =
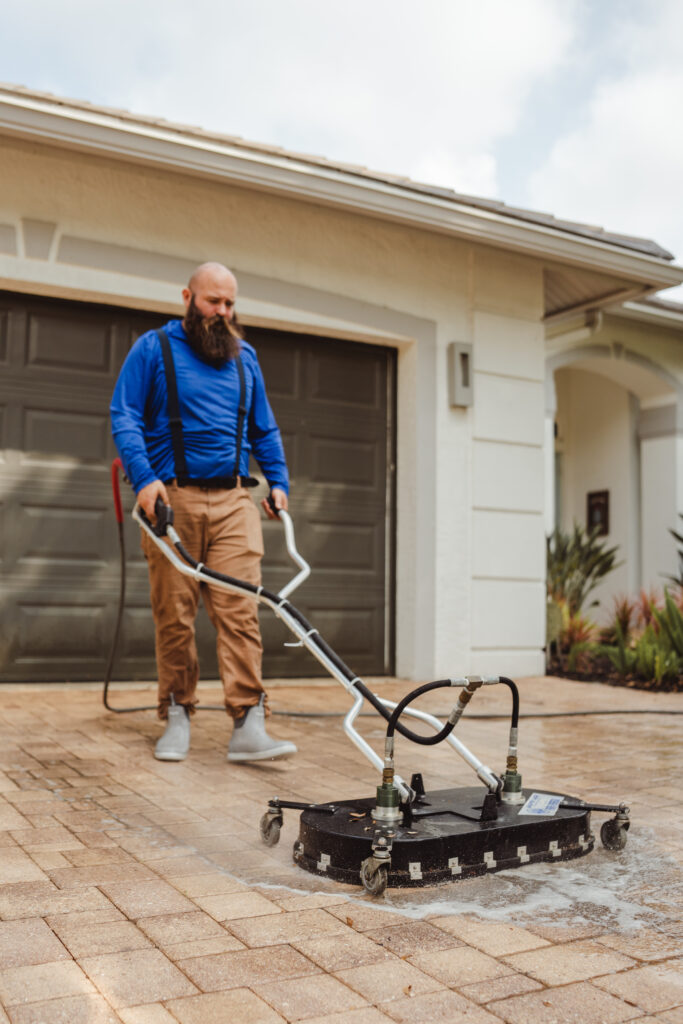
x=614 y=455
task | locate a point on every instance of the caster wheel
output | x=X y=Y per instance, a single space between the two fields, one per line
x=374 y=882
x=269 y=829
x=613 y=835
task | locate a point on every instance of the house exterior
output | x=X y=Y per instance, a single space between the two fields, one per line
x=418 y=347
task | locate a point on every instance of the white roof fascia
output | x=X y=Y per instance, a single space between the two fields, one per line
x=109 y=135
x=648 y=314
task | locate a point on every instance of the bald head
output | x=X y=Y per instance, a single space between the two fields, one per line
x=210 y=273
x=214 y=290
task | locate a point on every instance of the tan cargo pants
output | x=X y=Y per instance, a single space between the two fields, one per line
x=221 y=528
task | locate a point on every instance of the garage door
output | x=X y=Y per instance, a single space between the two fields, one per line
x=58 y=546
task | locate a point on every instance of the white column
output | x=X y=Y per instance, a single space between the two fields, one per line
x=549 y=452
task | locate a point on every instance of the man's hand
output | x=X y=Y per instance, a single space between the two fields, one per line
x=279 y=500
x=147 y=498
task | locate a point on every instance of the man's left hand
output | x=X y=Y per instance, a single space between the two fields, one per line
x=279 y=499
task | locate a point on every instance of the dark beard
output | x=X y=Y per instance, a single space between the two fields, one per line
x=215 y=339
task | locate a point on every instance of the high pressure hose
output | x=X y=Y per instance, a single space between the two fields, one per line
x=323 y=646
x=117 y=468
x=427 y=741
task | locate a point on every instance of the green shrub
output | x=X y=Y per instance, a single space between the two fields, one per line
x=678 y=580
x=670 y=621
x=620 y=654
x=624 y=614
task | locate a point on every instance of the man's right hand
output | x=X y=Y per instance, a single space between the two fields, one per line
x=147 y=498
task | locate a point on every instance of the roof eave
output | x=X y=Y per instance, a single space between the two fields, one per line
x=30 y=118
x=649 y=313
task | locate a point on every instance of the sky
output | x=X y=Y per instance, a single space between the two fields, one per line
x=569 y=107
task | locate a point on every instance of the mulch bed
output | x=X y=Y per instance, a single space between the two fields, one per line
x=608 y=677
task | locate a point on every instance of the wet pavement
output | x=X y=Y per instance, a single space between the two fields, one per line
x=139 y=891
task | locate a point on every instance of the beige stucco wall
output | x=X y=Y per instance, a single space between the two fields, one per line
x=470 y=481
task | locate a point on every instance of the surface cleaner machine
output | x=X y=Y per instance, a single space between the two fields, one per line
x=406 y=835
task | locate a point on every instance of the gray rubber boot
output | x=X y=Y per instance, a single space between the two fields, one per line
x=251 y=742
x=175 y=742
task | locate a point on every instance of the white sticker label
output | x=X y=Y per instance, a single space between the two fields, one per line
x=542 y=804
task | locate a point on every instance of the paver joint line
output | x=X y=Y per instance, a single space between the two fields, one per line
x=131 y=887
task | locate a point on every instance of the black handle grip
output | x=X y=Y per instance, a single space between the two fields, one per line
x=164 y=515
x=272 y=505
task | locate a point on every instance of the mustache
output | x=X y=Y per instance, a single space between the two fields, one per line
x=215 y=338
x=209 y=323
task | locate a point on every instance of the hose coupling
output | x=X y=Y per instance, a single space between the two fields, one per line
x=466 y=694
x=388 y=798
x=512 y=783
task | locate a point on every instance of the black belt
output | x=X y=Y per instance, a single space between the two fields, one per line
x=216 y=483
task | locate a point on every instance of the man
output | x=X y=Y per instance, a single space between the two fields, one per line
x=188 y=408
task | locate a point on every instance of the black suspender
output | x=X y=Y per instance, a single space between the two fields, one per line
x=241 y=414
x=174 y=419
x=176 y=424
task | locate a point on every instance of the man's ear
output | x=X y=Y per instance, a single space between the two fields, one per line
x=187 y=295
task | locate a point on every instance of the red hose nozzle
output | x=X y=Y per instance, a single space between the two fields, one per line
x=117 y=466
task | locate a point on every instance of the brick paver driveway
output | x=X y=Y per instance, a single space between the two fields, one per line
x=138 y=891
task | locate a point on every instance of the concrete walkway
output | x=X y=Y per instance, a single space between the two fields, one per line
x=138 y=891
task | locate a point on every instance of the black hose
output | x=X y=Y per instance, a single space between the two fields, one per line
x=492 y=715
x=327 y=650
x=116 y=467
x=317 y=640
x=427 y=741
x=514 y=718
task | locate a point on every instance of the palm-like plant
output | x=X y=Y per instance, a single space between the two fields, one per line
x=577 y=562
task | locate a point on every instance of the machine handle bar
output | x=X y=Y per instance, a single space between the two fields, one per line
x=164 y=519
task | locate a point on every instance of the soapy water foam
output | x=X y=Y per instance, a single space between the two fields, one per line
x=636 y=888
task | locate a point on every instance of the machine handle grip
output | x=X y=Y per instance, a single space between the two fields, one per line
x=164 y=517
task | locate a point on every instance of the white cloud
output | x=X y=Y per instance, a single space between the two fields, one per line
x=426 y=90
x=622 y=165
x=398 y=87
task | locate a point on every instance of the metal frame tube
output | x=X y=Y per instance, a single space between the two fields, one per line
x=304 y=636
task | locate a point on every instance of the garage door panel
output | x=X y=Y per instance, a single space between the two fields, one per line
x=130 y=330
x=344 y=462
x=351 y=632
x=60 y=631
x=4 y=327
x=135 y=559
x=354 y=509
x=137 y=635
x=348 y=548
x=69 y=532
x=79 y=436
x=334 y=421
x=336 y=378
x=62 y=343
x=283 y=372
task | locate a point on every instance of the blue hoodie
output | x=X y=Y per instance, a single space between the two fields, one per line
x=209 y=398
